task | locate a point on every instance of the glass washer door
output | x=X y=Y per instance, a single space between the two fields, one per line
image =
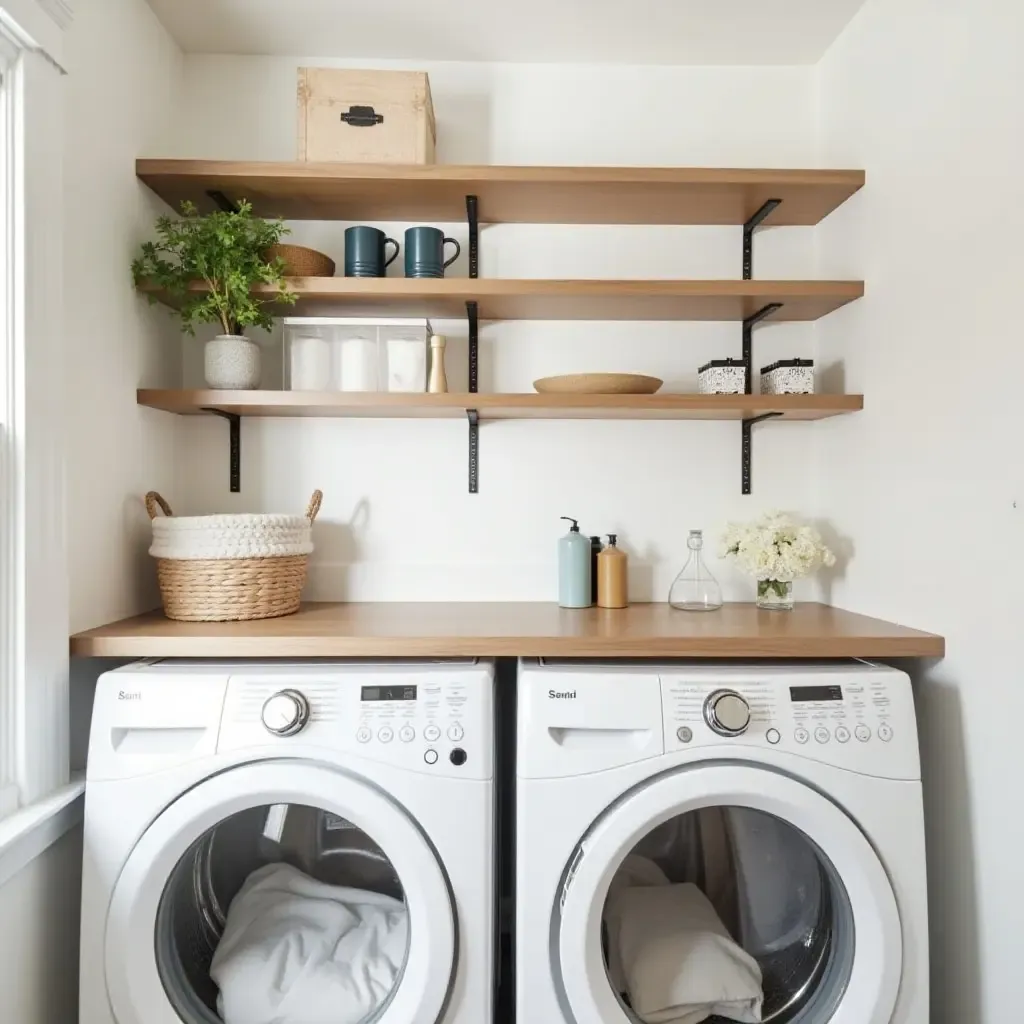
x=873 y=984
x=135 y=989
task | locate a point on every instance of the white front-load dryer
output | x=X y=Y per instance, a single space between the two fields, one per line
x=375 y=776
x=789 y=794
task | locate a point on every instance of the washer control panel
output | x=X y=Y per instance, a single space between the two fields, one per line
x=431 y=715
x=853 y=715
x=435 y=718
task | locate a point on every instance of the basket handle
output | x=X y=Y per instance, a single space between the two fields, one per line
x=153 y=500
x=312 y=509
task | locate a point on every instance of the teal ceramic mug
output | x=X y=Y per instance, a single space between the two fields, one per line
x=424 y=252
x=366 y=252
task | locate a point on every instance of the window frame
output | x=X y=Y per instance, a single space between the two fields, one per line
x=33 y=548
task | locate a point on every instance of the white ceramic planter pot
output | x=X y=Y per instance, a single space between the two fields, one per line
x=232 y=362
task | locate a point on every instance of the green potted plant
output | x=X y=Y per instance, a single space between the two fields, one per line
x=209 y=264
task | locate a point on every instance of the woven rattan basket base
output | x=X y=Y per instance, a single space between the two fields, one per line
x=231 y=590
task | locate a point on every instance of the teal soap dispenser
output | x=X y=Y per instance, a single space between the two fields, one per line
x=574 y=568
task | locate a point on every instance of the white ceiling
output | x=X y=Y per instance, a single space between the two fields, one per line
x=558 y=31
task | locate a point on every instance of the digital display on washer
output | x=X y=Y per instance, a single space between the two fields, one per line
x=797 y=694
x=388 y=693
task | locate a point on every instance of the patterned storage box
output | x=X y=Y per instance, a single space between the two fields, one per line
x=788 y=377
x=722 y=377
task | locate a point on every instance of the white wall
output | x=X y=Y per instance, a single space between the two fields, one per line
x=399 y=523
x=928 y=483
x=39 y=911
x=122 y=90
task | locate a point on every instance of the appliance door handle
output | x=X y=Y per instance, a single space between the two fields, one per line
x=587 y=737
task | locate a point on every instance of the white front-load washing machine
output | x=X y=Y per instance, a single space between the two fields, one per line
x=789 y=794
x=373 y=776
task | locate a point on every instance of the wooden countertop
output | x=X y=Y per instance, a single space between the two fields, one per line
x=520 y=628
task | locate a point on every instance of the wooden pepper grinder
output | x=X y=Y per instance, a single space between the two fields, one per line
x=438 y=384
x=612 y=587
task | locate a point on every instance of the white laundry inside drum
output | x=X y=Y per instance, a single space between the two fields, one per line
x=779 y=914
x=309 y=910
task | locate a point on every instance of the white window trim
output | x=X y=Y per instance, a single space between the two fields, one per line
x=39 y=23
x=33 y=555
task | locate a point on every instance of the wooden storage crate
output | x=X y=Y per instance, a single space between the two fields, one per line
x=383 y=117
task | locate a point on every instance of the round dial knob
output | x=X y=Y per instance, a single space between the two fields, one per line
x=727 y=713
x=285 y=713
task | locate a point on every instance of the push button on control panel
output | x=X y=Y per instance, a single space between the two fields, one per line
x=385 y=734
x=842 y=734
x=801 y=735
x=772 y=736
x=455 y=732
x=822 y=735
x=407 y=734
x=885 y=732
x=431 y=733
x=363 y=734
x=430 y=756
x=862 y=732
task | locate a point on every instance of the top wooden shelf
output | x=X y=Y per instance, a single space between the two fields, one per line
x=506 y=195
x=524 y=629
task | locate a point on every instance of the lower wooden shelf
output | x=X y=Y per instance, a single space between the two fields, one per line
x=383 y=405
x=524 y=629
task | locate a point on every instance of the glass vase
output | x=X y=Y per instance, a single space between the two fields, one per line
x=776 y=595
x=695 y=589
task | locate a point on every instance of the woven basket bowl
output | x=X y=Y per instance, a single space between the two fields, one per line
x=300 y=261
x=230 y=589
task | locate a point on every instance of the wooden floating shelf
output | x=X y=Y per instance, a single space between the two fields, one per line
x=503 y=299
x=511 y=195
x=526 y=629
x=381 y=405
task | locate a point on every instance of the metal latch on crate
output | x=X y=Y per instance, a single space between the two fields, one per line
x=362 y=117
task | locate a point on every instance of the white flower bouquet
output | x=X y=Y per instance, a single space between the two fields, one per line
x=775 y=549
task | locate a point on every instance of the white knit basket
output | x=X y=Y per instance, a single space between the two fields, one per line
x=231 y=536
x=233 y=567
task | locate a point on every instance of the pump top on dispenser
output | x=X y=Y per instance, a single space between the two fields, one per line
x=574 y=568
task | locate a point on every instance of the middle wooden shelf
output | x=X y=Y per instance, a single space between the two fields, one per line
x=383 y=405
x=507 y=299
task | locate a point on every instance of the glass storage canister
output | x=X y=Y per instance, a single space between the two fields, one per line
x=695 y=589
x=405 y=352
x=349 y=354
x=788 y=377
x=722 y=377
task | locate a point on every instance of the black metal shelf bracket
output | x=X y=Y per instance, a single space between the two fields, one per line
x=747 y=426
x=474 y=346
x=474 y=383
x=234 y=447
x=474 y=450
x=222 y=200
x=472 y=218
x=474 y=236
x=748 y=342
x=748 y=236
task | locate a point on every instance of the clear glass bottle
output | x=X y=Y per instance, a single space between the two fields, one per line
x=695 y=589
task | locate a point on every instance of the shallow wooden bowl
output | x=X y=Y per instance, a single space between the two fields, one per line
x=598 y=384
